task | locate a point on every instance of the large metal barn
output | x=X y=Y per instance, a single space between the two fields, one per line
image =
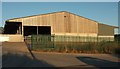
x=63 y=25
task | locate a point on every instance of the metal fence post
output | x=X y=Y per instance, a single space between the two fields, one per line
x=31 y=39
x=53 y=41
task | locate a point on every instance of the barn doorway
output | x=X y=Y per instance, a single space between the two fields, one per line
x=44 y=30
x=13 y=28
x=37 y=30
x=30 y=30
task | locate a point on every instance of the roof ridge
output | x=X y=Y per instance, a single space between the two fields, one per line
x=38 y=15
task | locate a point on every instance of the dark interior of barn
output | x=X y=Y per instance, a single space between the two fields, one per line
x=45 y=30
x=16 y=28
x=37 y=30
x=13 y=28
x=30 y=30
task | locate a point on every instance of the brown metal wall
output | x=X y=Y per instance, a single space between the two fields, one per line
x=64 y=22
x=56 y=21
x=104 y=30
x=77 y=24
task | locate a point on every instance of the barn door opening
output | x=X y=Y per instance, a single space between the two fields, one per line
x=44 y=30
x=37 y=30
x=30 y=30
x=13 y=28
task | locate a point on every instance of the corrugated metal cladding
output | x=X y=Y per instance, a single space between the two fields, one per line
x=61 y=22
x=105 y=30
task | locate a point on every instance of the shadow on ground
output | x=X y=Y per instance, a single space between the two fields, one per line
x=18 y=60
x=99 y=63
x=116 y=55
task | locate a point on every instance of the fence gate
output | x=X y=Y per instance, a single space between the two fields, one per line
x=42 y=42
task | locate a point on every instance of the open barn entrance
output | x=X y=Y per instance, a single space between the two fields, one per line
x=30 y=30
x=44 y=30
x=13 y=28
x=37 y=30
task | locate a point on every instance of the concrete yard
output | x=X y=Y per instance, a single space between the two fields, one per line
x=78 y=60
x=17 y=55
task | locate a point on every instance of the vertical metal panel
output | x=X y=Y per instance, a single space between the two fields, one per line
x=72 y=22
x=67 y=22
x=75 y=24
x=44 y=20
x=105 y=30
x=57 y=22
x=82 y=25
x=52 y=22
x=39 y=20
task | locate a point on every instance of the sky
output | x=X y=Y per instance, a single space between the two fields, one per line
x=60 y=0
x=119 y=17
x=103 y=12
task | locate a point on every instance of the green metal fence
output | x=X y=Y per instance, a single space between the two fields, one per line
x=72 y=44
x=45 y=42
x=42 y=42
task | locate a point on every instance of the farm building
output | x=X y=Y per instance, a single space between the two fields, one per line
x=60 y=24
